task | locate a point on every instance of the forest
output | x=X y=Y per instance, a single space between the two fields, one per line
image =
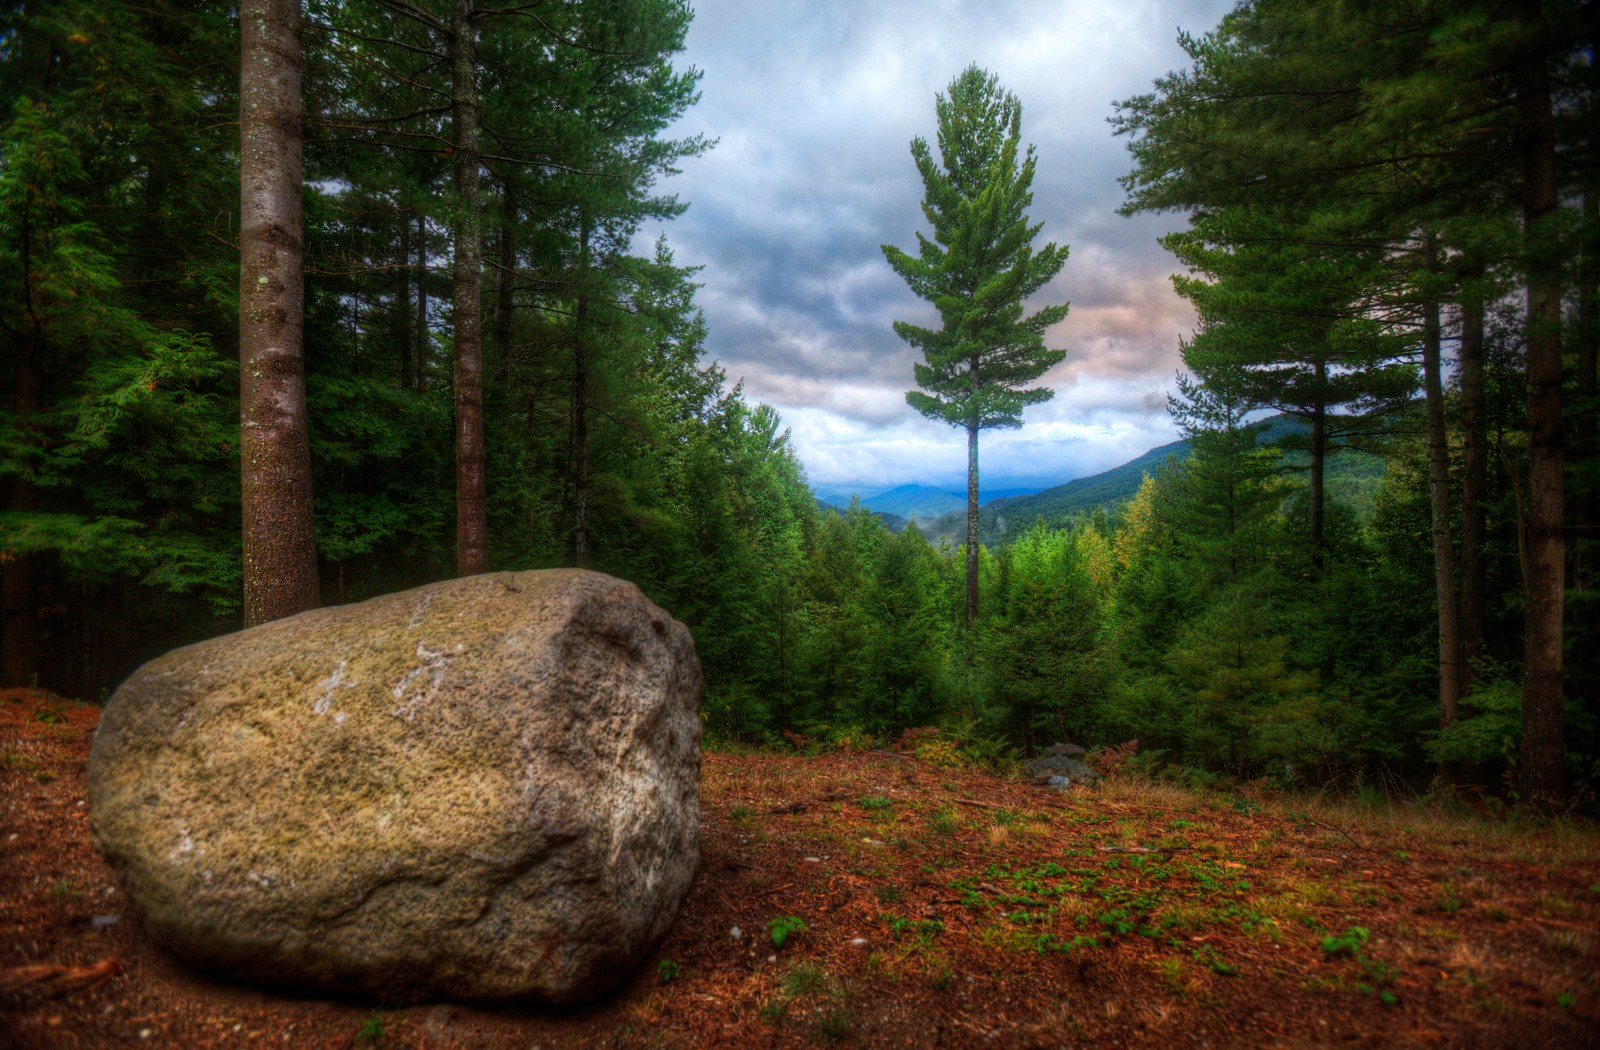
x=1392 y=240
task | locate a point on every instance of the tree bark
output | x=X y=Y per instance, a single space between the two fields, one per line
x=472 y=529
x=422 y=302
x=19 y=612
x=1439 y=504
x=1584 y=434
x=972 y=524
x=1319 y=464
x=280 y=552
x=1583 y=661
x=402 y=303
x=580 y=407
x=19 y=600
x=1474 y=482
x=1542 y=770
x=504 y=286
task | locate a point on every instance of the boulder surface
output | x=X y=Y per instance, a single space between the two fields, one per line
x=484 y=789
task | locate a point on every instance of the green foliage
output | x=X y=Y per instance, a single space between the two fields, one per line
x=1046 y=664
x=782 y=928
x=118 y=432
x=923 y=931
x=372 y=1030
x=1214 y=962
x=1283 y=323
x=1350 y=942
x=1247 y=704
x=1353 y=475
x=969 y=741
x=1488 y=728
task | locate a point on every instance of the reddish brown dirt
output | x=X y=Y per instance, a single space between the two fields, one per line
x=941 y=905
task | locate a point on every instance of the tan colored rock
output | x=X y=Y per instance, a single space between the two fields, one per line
x=483 y=789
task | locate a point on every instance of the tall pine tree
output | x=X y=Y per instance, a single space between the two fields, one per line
x=977 y=271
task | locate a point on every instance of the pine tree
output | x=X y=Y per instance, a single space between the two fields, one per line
x=1289 y=325
x=1247 y=701
x=977 y=271
x=1222 y=500
x=1046 y=666
x=903 y=627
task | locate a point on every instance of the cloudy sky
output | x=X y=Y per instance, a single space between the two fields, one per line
x=815 y=103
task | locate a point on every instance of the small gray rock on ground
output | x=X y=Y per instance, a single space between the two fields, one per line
x=1061 y=765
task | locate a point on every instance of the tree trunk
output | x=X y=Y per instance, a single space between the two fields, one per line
x=1439 y=505
x=1584 y=434
x=472 y=529
x=19 y=613
x=783 y=677
x=280 y=551
x=580 y=407
x=422 y=302
x=504 y=287
x=19 y=632
x=19 y=598
x=1542 y=771
x=972 y=524
x=1583 y=663
x=1319 y=462
x=1474 y=482
x=402 y=303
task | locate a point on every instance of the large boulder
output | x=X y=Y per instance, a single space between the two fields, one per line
x=485 y=789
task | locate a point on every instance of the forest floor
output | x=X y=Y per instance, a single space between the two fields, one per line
x=941 y=906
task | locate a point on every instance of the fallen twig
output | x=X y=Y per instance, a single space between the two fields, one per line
x=1167 y=850
x=1335 y=827
x=46 y=981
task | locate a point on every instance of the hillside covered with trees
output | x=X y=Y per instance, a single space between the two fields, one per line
x=1395 y=254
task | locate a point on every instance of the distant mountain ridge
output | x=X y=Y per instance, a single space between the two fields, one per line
x=1352 y=477
x=916 y=501
x=923 y=502
x=1109 y=488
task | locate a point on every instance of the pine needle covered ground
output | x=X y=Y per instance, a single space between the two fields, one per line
x=917 y=903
